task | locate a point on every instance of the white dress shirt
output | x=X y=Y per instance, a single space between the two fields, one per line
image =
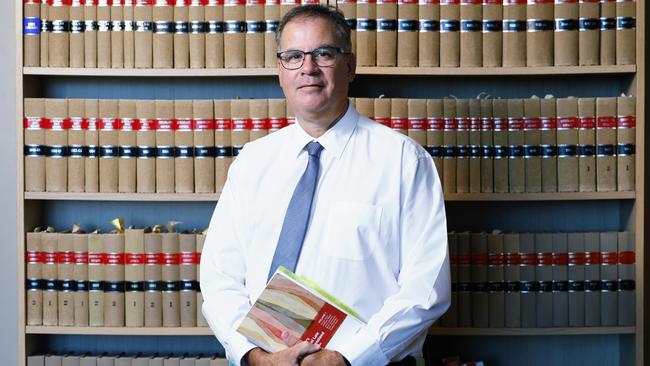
x=377 y=238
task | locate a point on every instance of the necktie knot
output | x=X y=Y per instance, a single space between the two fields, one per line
x=314 y=148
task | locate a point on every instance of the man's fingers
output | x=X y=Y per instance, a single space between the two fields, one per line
x=289 y=339
x=303 y=349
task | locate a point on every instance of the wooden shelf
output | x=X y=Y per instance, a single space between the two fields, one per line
x=140 y=331
x=213 y=197
x=530 y=331
x=388 y=71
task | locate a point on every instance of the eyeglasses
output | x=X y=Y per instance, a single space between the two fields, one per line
x=322 y=56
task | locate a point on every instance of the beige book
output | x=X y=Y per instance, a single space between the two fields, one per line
x=34 y=256
x=59 y=38
x=234 y=41
x=626 y=32
x=532 y=142
x=104 y=34
x=514 y=34
x=366 y=107
x=239 y=113
x=399 y=115
x=626 y=143
x=417 y=120
x=49 y=242
x=516 y=170
x=587 y=145
x=80 y=276
x=117 y=35
x=450 y=34
x=134 y=264
x=258 y=112
x=566 y=50
x=286 y=5
x=366 y=33
x=462 y=145
x=128 y=17
x=277 y=114
x=548 y=144
x=474 y=147
x=272 y=20
x=31 y=33
x=589 y=33
x=165 y=146
x=539 y=33
x=449 y=146
x=127 y=146
x=429 y=34
x=435 y=134
x=471 y=33
x=163 y=35
x=203 y=114
x=222 y=142
x=64 y=273
x=143 y=37
x=255 y=28
x=91 y=142
x=382 y=111
x=184 y=147
x=90 y=34
x=349 y=10
x=35 y=150
x=146 y=143
x=45 y=35
x=407 y=33
x=500 y=137
x=386 y=33
x=214 y=37
x=56 y=142
x=181 y=35
x=153 y=277
x=187 y=274
x=608 y=33
x=108 y=146
x=487 y=147
x=492 y=34
x=197 y=29
x=200 y=319
x=76 y=28
x=95 y=280
x=170 y=278
x=568 y=125
x=113 y=245
x=76 y=138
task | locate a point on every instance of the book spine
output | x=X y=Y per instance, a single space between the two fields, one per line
x=450 y=33
x=589 y=33
x=516 y=170
x=165 y=161
x=560 y=280
x=496 y=280
x=548 y=147
x=479 y=276
x=80 y=276
x=471 y=33
x=214 y=38
x=568 y=125
x=203 y=126
x=435 y=134
x=134 y=262
x=450 y=150
x=529 y=286
x=65 y=283
x=407 y=33
x=544 y=279
x=181 y=38
x=465 y=284
x=514 y=33
x=576 y=279
x=200 y=319
x=117 y=35
x=487 y=147
x=539 y=33
x=626 y=143
x=428 y=35
x=49 y=241
x=108 y=146
x=462 y=145
x=95 y=281
x=592 y=280
x=626 y=279
x=587 y=145
x=386 y=33
x=34 y=284
x=500 y=138
x=605 y=144
x=57 y=125
x=474 y=147
x=234 y=15
x=171 y=280
x=607 y=32
x=188 y=263
x=113 y=245
x=609 y=279
x=183 y=147
x=532 y=142
x=512 y=276
x=567 y=27
x=127 y=146
x=153 y=280
x=35 y=150
x=626 y=32
x=492 y=33
x=223 y=142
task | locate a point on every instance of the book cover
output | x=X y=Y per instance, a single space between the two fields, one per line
x=298 y=306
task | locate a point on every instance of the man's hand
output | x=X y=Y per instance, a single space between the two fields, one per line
x=324 y=357
x=291 y=356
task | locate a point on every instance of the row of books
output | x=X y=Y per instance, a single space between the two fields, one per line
x=124 y=360
x=529 y=280
x=133 y=278
x=478 y=145
x=481 y=33
x=152 y=33
x=207 y=34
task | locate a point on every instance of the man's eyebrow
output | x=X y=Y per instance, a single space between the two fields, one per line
x=321 y=46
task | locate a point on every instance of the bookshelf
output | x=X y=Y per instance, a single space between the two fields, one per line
x=29 y=82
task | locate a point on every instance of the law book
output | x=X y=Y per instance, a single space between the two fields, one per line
x=544 y=279
x=163 y=34
x=548 y=144
x=514 y=33
x=487 y=146
x=189 y=285
x=626 y=32
x=532 y=142
x=589 y=32
x=80 y=277
x=259 y=113
x=626 y=143
x=387 y=33
x=146 y=146
x=203 y=129
x=59 y=38
x=143 y=37
x=64 y=274
x=272 y=20
x=474 y=147
x=122 y=360
x=214 y=47
x=128 y=17
x=90 y=28
x=382 y=110
x=117 y=35
x=462 y=145
x=435 y=134
x=464 y=288
x=496 y=280
x=609 y=278
x=291 y=117
x=568 y=125
x=516 y=166
x=76 y=29
x=183 y=147
x=450 y=318
x=241 y=124
x=113 y=248
x=399 y=115
x=500 y=137
x=449 y=145
x=165 y=174
x=127 y=146
x=57 y=125
x=200 y=319
x=31 y=33
x=134 y=264
x=296 y=305
x=576 y=278
x=626 y=279
x=450 y=33
x=34 y=258
x=349 y=10
x=223 y=142
x=512 y=284
x=407 y=33
x=91 y=146
x=53 y=360
x=366 y=107
x=286 y=5
x=170 y=278
x=108 y=146
x=36 y=360
x=492 y=27
x=45 y=35
x=479 y=278
x=277 y=114
x=76 y=137
x=181 y=38
x=606 y=112
x=197 y=30
x=592 y=280
x=560 y=280
x=234 y=15
x=153 y=279
x=34 y=150
x=587 y=145
x=88 y=361
x=429 y=33
x=608 y=32
x=471 y=33
x=95 y=280
x=255 y=28
x=528 y=280
x=104 y=27
x=539 y=33
x=567 y=24
x=366 y=32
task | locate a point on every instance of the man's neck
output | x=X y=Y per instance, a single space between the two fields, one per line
x=316 y=127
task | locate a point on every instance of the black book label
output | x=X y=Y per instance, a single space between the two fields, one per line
x=529 y=287
x=234 y=26
x=429 y=25
x=104 y=26
x=386 y=25
x=236 y=150
x=563 y=25
x=117 y=26
x=539 y=25
x=454 y=287
x=531 y=151
x=560 y=286
x=91 y=151
x=626 y=285
x=586 y=150
x=215 y=26
x=137 y=286
x=474 y=151
x=480 y=287
x=607 y=23
x=514 y=25
x=67 y=286
x=184 y=152
x=51 y=285
x=165 y=152
x=90 y=26
x=203 y=152
x=128 y=151
x=500 y=152
x=45 y=26
x=609 y=286
x=449 y=152
x=162 y=27
x=352 y=23
x=128 y=26
x=113 y=286
x=197 y=27
x=592 y=286
x=366 y=24
x=585 y=24
x=171 y=286
x=34 y=150
x=606 y=150
x=545 y=286
x=449 y=26
x=625 y=23
x=33 y=284
x=60 y=26
x=490 y=26
x=548 y=151
x=462 y=151
x=77 y=26
x=153 y=286
x=31 y=26
x=82 y=286
x=567 y=150
x=464 y=287
x=223 y=151
x=189 y=285
x=57 y=151
x=626 y=149
x=76 y=151
x=514 y=286
x=181 y=27
x=496 y=287
x=95 y=286
x=435 y=151
x=407 y=25
x=487 y=152
x=143 y=26
x=272 y=26
x=515 y=151
x=146 y=152
x=255 y=26
x=471 y=25
x=108 y=152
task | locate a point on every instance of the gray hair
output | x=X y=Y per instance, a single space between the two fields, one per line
x=311 y=11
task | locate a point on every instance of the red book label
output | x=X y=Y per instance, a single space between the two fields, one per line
x=272 y=2
x=417 y=124
x=107 y=124
x=405 y=1
x=165 y=124
x=128 y=124
x=568 y=123
x=512 y=259
x=147 y=124
x=560 y=259
x=134 y=259
x=592 y=258
x=65 y=257
x=198 y=258
x=515 y=124
x=77 y=123
x=450 y=124
x=203 y=124
x=608 y=258
x=184 y=124
x=626 y=258
x=422 y=2
x=449 y=2
x=474 y=124
x=153 y=258
x=323 y=327
x=548 y=123
x=492 y=2
x=114 y=259
x=464 y=259
x=528 y=259
x=33 y=257
x=187 y=258
x=471 y=2
x=33 y=123
x=222 y=124
x=383 y=121
x=626 y=122
x=95 y=258
x=49 y=257
x=81 y=257
x=487 y=124
x=479 y=259
x=435 y=124
x=577 y=259
x=259 y=124
x=500 y=124
x=276 y=123
x=544 y=259
x=399 y=123
x=514 y=2
x=170 y=259
x=606 y=122
x=462 y=124
x=532 y=123
x=241 y=124
x=587 y=123
x=496 y=259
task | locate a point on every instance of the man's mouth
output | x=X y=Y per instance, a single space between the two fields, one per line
x=310 y=86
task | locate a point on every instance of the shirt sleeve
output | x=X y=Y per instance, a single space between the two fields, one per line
x=223 y=269
x=424 y=279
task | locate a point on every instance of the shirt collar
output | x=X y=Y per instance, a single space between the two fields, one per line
x=333 y=140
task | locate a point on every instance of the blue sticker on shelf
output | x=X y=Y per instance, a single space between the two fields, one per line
x=31 y=26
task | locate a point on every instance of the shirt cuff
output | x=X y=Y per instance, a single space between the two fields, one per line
x=238 y=345
x=363 y=349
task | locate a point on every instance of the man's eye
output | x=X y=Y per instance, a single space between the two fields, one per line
x=324 y=53
x=293 y=56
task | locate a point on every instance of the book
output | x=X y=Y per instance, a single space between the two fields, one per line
x=298 y=306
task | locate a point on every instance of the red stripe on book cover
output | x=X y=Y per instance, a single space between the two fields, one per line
x=202 y=124
x=323 y=327
x=259 y=124
x=577 y=259
x=146 y=124
x=144 y=2
x=91 y=124
x=500 y=124
x=587 y=123
x=290 y=2
x=474 y=124
x=49 y=257
x=305 y=2
x=34 y=257
x=533 y=2
x=198 y=258
x=560 y=259
x=528 y=259
x=255 y=2
x=450 y=124
x=390 y=1
x=532 y=123
x=95 y=258
x=272 y=2
x=417 y=124
x=77 y=123
x=241 y=124
x=56 y=123
x=114 y=259
x=128 y=124
x=449 y=2
x=187 y=258
x=515 y=124
x=471 y=2
x=399 y=123
x=544 y=259
x=81 y=257
x=134 y=259
x=435 y=124
x=512 y=259
x=464 y=259
x=548 y=123
x=164 y=124
x=222 y=124
x=164 y=2
x=170 y=259
x=492 y=2
x=479 y=259
x=214 y=2
x=31 y=1
x=405 y=1
x=234 y=2
x=496 y=259
x=487 y=124
x=453 y=259
x=567 y=123
x=65 y=257
x=291 y=120
x=153 y=259
x=107 y=124
x=422 y=2
x=514 y=2
x=33 y=123
x=59 y=2
x=606 y=122
x=608 y=258
x=462 y=124
x=565 y=1
x=276 y=123
x=382 y=120
x=626 y=257
x=592 y=258
x=626 y=122
x=105 y=3
x=184 y=124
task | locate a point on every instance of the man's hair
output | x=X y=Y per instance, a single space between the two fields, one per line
x=311 y=11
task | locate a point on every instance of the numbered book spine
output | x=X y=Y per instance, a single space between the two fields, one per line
x=450 y=149
x=539 y=33
x=31 y=33
x=165 y=127
x=532 y=142
x=608 y=32
x=153 y=284
x=182 y=34
x=474 y=147
x=544 y=279
x=113 y=245
x=34 y=283
x=59 y=39
x=214 y=37
x=516 y=169
x=76 y=137
x=57 y=125
x=548 y=146
x=487 y=147
x=592 y=280
x=108 y=146
x=626 y=279
x=134 y=263
x=587 y=145
x=492 y=27
x=200 y=319
x=450 y=33
x=45 y=34
x=95 y=280
x=606 y=144
x=223 y=142
x=462 y=146
x=188 y=280
x=163 y=34
x=576 y=282
x=104 y=28
x=568 y=125
x=143 y=37
x=65 y=269
x=479 y=279
x=626 y=143
x=512 y=277
x=34 y=150
x=435 y=134
x=626 y=32
x=407 y=33
x=500 y=137
x=49 y=241
x=129 y=33
x=117 y=35
x=127 y=146
x=203 y=127
x=609 y=279
x=450 y=318
x=464 y=280
x=183 y=147
x=429 y=33
x=197 y=29
x=146 y=146
x=529 y=284
x=80 y=277
x=171 y=280
x=560 y=280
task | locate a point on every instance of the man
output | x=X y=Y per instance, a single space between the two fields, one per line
x=362 y=202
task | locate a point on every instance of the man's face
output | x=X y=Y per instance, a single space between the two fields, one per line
x=315 y=91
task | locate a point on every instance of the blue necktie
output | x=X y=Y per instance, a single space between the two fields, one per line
x=296 y=219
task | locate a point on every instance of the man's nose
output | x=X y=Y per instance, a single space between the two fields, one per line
x=309 y=65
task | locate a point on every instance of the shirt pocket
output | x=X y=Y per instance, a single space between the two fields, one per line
x=352 y=230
